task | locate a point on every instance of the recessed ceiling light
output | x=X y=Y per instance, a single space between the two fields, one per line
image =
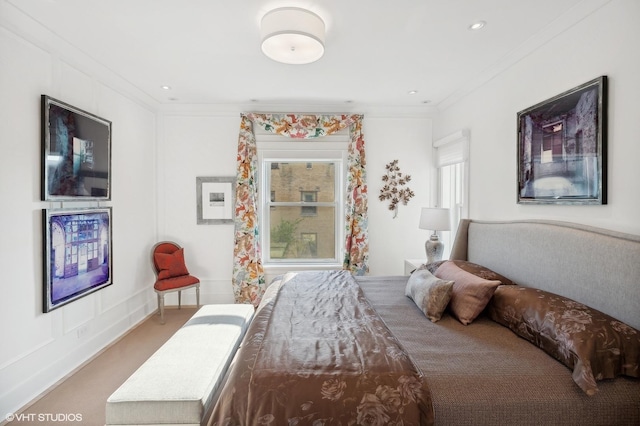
x=412 y=92
x=477 y=25
x=166 y=87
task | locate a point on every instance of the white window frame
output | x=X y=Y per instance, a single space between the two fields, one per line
x=272 y=148
x=448 y=151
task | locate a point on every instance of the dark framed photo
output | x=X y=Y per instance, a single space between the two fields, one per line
x=215 y=200
x=76 y=153
x=77 y=254
x=562 y=147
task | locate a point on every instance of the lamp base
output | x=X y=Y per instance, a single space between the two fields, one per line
x=434 y=248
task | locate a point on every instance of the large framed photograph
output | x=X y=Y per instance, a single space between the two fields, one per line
x=76 y=153
x=77 y=254
x=215 y=199
x=562 y=147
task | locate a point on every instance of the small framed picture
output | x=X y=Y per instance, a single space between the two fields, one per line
x=562 y=147
x=215 y=200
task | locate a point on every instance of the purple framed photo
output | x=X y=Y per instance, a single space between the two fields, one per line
x=562 y=148
x=77 y=254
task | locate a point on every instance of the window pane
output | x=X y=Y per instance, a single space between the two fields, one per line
x=290 y=180
x=452 y=196
x=295 y=235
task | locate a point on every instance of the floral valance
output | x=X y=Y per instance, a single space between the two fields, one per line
x=303 y=126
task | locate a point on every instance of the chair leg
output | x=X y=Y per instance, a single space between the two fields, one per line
x=198 y=297
x=161 y=307
x=180 y=300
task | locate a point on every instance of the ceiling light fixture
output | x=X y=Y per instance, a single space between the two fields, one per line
x=292 y=35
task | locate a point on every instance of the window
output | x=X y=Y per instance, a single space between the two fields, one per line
x=302 y=215
x=451 y=160
x=309 y=197
x=552 y=143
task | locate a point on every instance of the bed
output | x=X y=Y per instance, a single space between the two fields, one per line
x=368 y=354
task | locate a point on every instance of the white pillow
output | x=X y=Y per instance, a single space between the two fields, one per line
x=430 y=293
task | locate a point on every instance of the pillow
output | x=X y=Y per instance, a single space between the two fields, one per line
x=171 y=265
x=430 y=293
x=593 y=344
x=472 y=268
x=470 y=293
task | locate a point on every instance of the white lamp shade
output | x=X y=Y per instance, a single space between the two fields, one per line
x=435 y=219
x=292 y=35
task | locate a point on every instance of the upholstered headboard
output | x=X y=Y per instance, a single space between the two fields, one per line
x=594 y=266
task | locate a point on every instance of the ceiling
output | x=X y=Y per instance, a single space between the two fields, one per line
x=208 y=51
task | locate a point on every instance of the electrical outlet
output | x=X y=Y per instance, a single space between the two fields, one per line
x=82 y=331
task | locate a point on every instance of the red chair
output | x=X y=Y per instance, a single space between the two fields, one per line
x=171 y=272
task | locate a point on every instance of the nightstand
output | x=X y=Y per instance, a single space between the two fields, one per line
x=411 y=264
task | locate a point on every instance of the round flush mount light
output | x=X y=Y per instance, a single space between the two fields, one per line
x=477 y=25
x=292 y=35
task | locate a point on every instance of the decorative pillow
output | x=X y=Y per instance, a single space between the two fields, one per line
x=170 y=265
x=593 y=344
x=430 y=293
x=472 y=268
x=470 y=293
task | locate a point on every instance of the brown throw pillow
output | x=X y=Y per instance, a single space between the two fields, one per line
x=470 y=292
x=472 y=268
x=429 y=293
x=591 y=343
x=171 y=265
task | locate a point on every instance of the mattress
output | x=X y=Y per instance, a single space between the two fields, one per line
x=484 y=374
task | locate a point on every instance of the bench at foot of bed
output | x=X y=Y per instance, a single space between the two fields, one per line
x=176 y=384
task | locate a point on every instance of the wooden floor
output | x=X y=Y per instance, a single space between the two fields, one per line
x=80 y=399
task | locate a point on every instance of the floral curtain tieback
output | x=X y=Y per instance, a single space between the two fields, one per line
x=395 y=188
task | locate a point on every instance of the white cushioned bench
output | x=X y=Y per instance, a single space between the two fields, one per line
x=177 y=383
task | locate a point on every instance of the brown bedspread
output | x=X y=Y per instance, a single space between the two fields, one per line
x=318 y=353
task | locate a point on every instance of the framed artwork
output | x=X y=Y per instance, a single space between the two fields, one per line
x=76 y=153
x=77 y=254
x=215 y=199
x=562 y=147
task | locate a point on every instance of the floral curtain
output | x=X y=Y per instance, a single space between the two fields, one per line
x=248 y=273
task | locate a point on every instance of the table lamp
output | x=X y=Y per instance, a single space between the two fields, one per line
x=434 y=219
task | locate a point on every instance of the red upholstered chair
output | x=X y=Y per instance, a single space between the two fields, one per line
x=171 y=272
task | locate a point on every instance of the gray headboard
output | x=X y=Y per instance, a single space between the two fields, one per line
x=594 y=266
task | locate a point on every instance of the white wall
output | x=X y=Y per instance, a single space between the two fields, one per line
x=391 y=240
x=604 y=43
x=190 y=145
x=39 y=349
